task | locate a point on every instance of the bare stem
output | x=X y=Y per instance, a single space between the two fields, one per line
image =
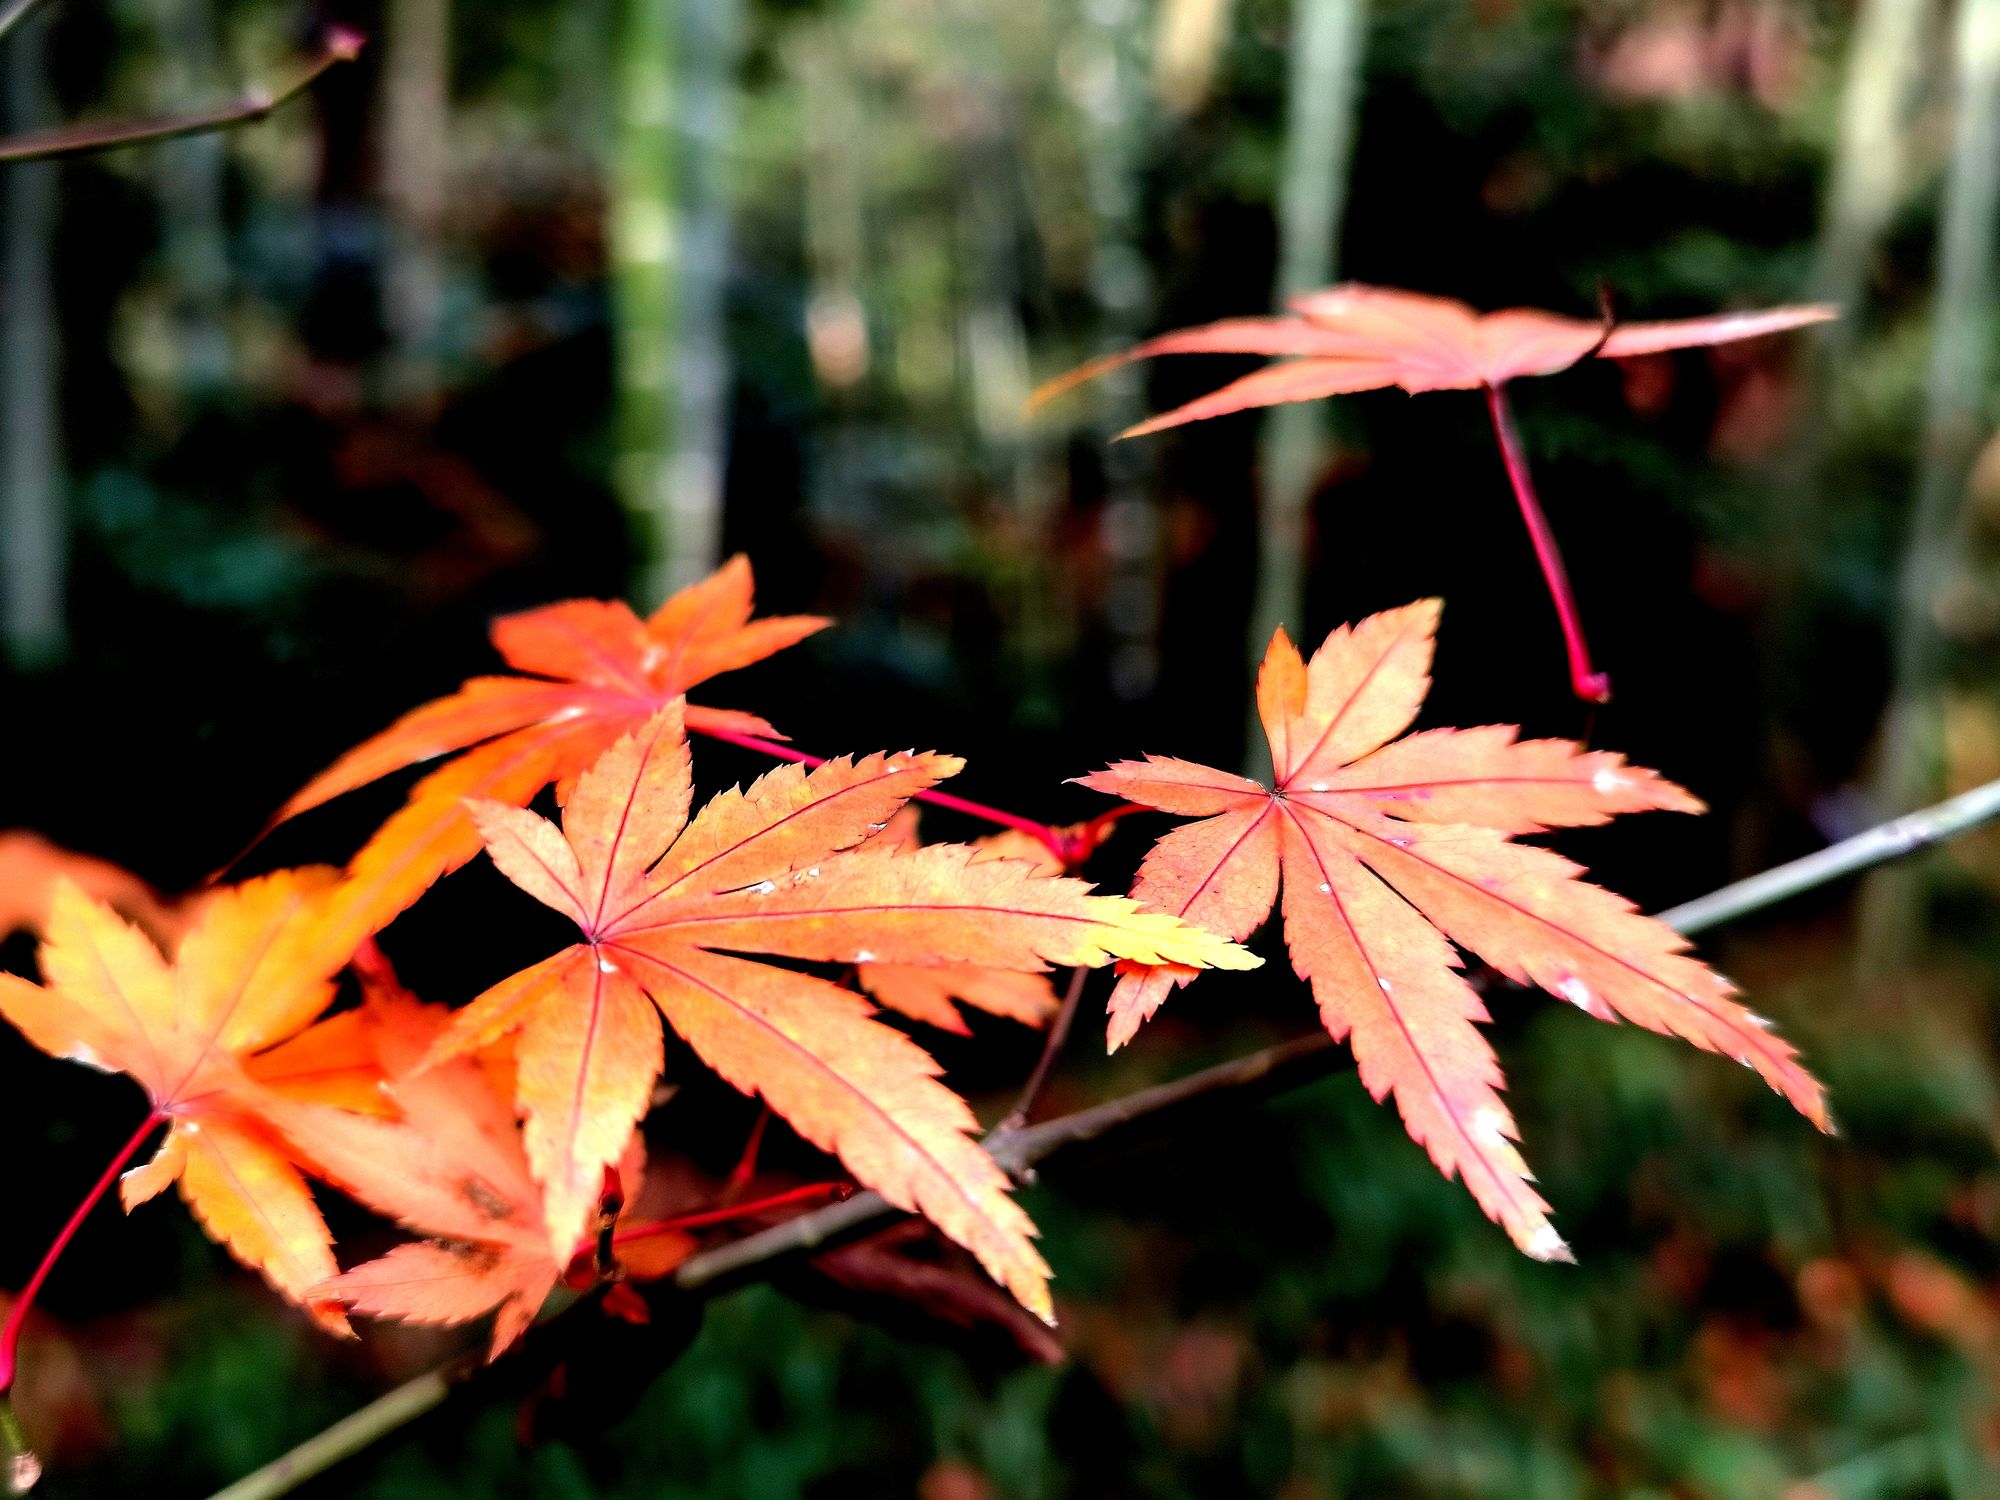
x=1045 y=1064
x=812 y=1192
x=1263 y=1072
x=1054 y=841
x=341 y=45
x=17 y=1315
x=1587 y=683
x=746 y=1164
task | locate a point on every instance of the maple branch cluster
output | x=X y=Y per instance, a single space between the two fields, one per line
x=506 y=1135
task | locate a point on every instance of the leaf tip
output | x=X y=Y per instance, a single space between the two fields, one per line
x=1547 y=1246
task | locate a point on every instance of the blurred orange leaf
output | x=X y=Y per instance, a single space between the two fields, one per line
x=215 y=1038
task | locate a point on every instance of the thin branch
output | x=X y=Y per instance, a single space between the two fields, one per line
x=1876 y=846
x=15 y=13
x=354 y=1433
x=1051 y=1048
x=341 y=45
x=1264 y=1072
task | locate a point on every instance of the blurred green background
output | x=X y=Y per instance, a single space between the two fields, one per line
x=544 y=298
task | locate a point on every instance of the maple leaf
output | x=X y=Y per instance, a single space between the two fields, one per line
x=215 y=1038
x=31 y=866
x=1354 y=338
x=597 y=671
x=450 y=1166
x=925 y=992
x=1384 y=849
x=667 y=906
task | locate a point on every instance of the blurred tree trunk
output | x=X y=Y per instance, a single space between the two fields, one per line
x=1110 y=94
x=585 y=44
x=698 y=455
x=670 y=250
x=1868 y=181
x=191 y=200
x=1956 y=422
x=416 y=103
x=839 y=339
x=33 y=541
x=1188 y=40
x=1323 y=95
x=645 y=258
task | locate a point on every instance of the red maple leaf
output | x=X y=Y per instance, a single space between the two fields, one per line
x=1389 y=851
x=1355 y=338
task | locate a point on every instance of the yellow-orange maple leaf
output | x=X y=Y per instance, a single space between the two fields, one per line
x=667 y=905
x=598 y=672
x=214 y=1038
x=1385 y=850
x=925 y=992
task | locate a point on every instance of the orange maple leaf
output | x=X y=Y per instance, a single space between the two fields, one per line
x=31 y=867
x=1386 y=850
x=1354 y=338
x=450 y=1166
x=599 y=672
x=666 y=904
x=925 y=992
x=215 y=1038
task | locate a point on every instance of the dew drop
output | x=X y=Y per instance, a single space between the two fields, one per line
x=1325 y=889
x=864 y=957
x=1402 y=843
x=762 y=888
x=1609 y=781
x=1387 y=988
x=605 y=965
x=1319 y=786
x=1489 y=1127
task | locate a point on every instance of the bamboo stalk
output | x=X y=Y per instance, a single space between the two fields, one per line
x=1322 y=99
x=1955 y=424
